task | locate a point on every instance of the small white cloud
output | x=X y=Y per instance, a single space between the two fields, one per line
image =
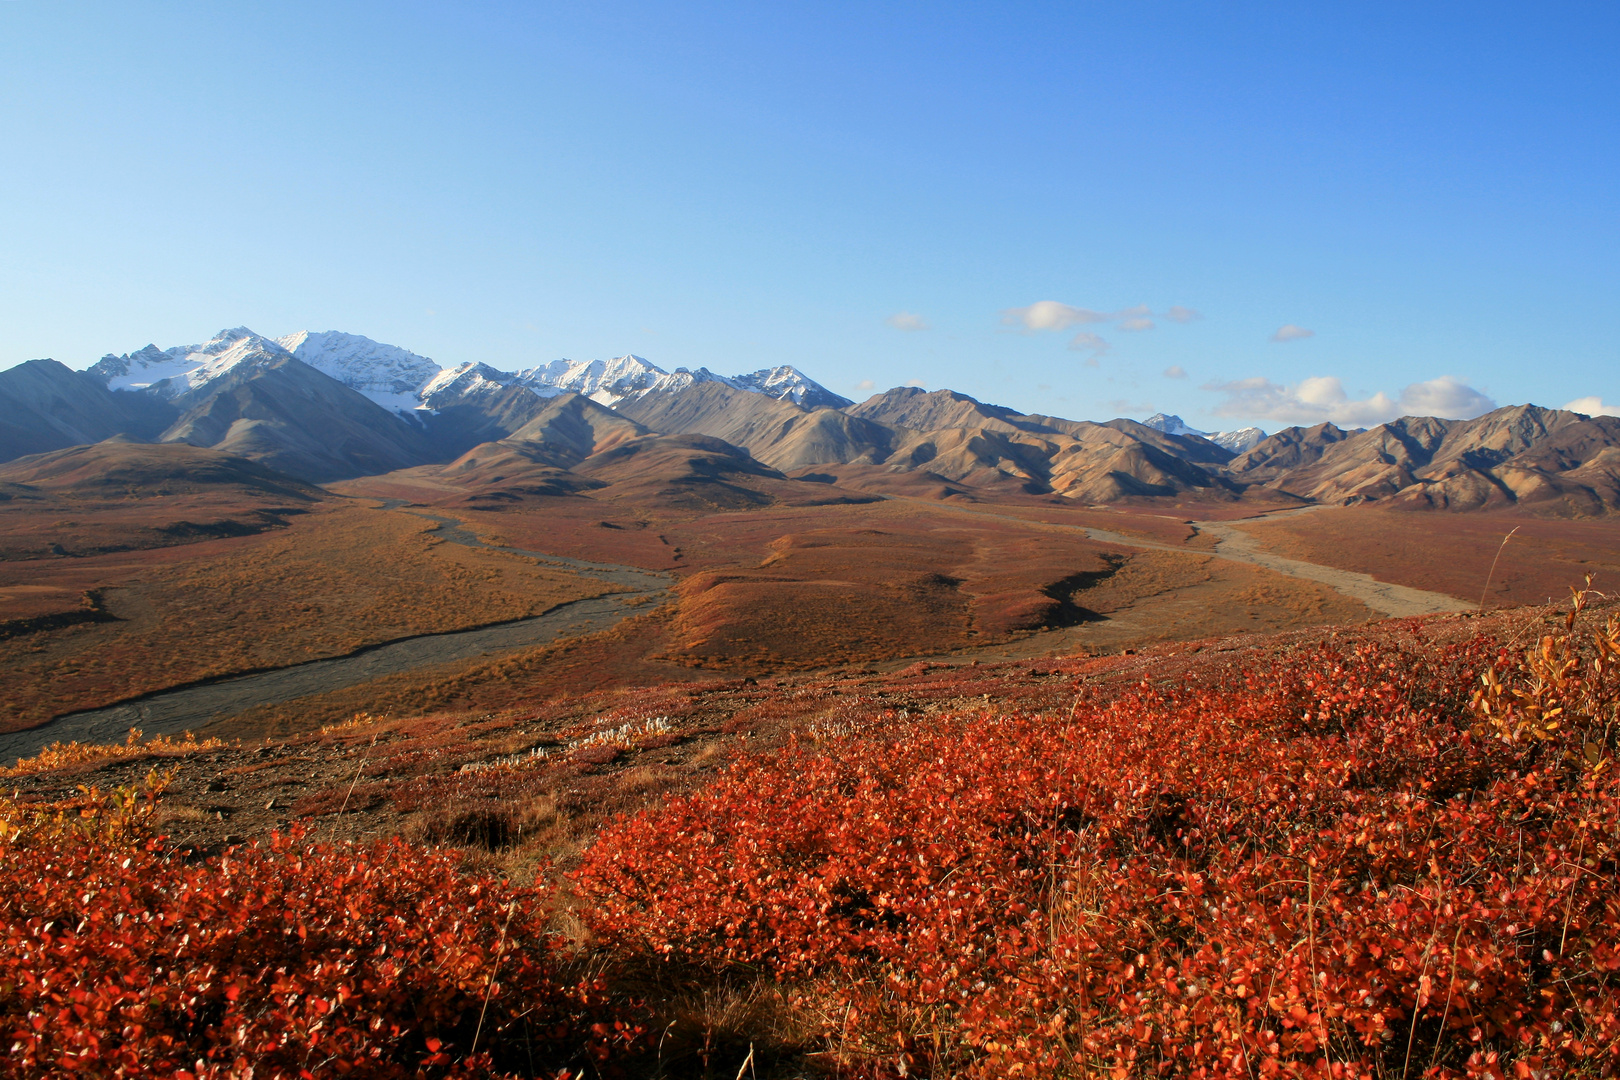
x=1090 y=344
x=1175 y=371
x=1447 y=396
x=1125 y=406
x=907 y=321
x=1593 y=406
x=1322 y=398
x=866 y=384
x=1290 y=332
x=1050 y=315
x=918 y=383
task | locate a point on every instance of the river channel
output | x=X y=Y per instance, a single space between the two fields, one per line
x=168 y=712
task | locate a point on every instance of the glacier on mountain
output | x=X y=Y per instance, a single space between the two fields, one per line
x=169 y=373
x=360 y=363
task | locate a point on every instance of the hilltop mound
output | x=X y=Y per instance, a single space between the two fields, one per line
x=779 y=433
x=122 y=496
x=120 y=468
x=697 y=472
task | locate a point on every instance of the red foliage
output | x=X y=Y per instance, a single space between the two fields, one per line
x=1325 y=872
x=284 y=960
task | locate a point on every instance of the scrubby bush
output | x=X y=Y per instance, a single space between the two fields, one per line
x=1335 y=868
x=286 y=959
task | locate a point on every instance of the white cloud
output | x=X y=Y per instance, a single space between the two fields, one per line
x=918 y=383
x=1050 y=315
x=1446 y=396
x=866 y=384
x=1593 y=406
x=1322 y=398
x=905 y=320
x=1290 y=332
x=1090 y=344
x=1175 y=371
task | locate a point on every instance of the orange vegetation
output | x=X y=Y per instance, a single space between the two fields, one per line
x=338 y=578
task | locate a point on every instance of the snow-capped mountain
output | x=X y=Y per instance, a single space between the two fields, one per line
x=1236 y=441
x=462 y=382
x=788 y=383
x=326 y=406
x=603 y=381
x=168 y=373
x=404 y=382
x=387 y=374
x=623 y=378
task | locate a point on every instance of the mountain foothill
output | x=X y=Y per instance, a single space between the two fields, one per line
x=322 y=407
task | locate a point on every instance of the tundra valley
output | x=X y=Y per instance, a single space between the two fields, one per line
x=366 y=717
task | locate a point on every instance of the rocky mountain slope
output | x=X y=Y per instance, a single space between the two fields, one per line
x=275 y=409
x=1551 y=459
x=45 y=405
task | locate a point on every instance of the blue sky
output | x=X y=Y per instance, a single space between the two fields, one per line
x=1082 y=209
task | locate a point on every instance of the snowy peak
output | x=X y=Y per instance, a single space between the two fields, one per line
x=603 y=381
x=361 y=363
x=626 y=378
x=788 y=383
x=1171 y=425
x=450 y=385
x=387 y=374
x=1239 y=441
x=171 y=372
x=1236 y=441
x=406 y=383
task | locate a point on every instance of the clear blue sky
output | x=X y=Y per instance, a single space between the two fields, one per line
x=876 y=193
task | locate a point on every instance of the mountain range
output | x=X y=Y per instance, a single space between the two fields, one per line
x=328 y=406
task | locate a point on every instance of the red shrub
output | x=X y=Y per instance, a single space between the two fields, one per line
x=287 y=960
x=1325 y=873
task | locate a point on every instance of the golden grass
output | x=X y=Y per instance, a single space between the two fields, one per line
x=62 y=755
